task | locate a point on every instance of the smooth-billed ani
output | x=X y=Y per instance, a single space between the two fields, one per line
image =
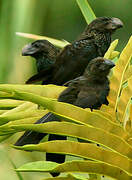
x=44 y=53
x=87 y=91
x=72 y=60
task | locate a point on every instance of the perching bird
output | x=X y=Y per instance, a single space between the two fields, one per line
x=87 y=91
x=72 y=60
x=92 y=88
x=44 y=53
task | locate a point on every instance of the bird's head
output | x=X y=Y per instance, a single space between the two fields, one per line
x=37 y=48
x=105 y=24
x=99 y=67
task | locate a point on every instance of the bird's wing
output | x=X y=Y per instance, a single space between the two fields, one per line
x=42 y=75
x=69 y=95
x=73 y=60
x=92 y=96
x=86 y=99
x=73 y=81
x=72 y=50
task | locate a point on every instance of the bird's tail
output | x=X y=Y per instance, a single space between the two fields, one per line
x=31 y=137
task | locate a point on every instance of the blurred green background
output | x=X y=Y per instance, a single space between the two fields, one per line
x=54 y=18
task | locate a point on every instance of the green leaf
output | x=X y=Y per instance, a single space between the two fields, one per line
x=84 y=150
x=76 y=166
x=68 y=177
x=74 y=113
x=26 y=106
x=56 y=42
x=17 y=173
x=109 y=52
x=3 y=111
x=9 y=103
x=127 y=74
x=7 y=129
x=88 y=133
x=114 y=54
x=51 y=91
x=3 y=138
x=77 y=176
x=124 y=101
x=86 y=10
x=118 y=76
x=39 y=166
x=5 y=118
x=5 y=94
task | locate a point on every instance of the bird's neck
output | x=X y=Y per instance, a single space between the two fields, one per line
x=42 y=62
x=102 y=41
x=40 y=56
x=98 y=79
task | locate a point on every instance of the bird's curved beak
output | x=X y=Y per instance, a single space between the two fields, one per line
x=115 y=24
x=28 y=50
x=110 y=64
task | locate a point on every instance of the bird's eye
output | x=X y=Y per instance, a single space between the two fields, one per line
x=106 y=19
x=36 y=45
x=106 y=23
x=98 y=64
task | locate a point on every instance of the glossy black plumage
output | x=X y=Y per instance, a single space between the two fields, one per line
x=70 y=63
x=91 y=89
x=44 y=53
x=87 y=91
x=72 y=60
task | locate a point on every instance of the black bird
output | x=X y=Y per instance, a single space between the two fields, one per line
x=72 y=60
x=87 y=91
x=92 y=88
x=44 y=53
